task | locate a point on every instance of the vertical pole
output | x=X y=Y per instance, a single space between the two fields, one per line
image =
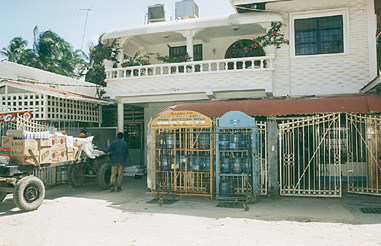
x=120 y=117
x=273 y=158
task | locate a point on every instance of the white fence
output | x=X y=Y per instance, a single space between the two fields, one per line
x=248 y=63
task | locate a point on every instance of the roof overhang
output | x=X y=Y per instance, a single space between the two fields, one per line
x=372 y=86
x=222 y=22
x=194 y=95
x=283 y=107
x=52 y=92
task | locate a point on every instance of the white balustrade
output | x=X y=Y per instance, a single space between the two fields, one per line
x=196 y=67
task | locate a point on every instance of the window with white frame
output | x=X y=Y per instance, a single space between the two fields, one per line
x=319 y=34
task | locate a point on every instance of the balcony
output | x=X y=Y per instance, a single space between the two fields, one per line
x=210 y=79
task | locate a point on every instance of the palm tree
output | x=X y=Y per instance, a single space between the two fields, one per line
x=52 y=53
x=16 y=50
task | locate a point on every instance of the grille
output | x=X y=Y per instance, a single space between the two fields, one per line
x=370 y=210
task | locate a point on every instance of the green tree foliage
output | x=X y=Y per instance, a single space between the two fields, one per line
x=98 y=53
x=50 y=52
x=16 y=49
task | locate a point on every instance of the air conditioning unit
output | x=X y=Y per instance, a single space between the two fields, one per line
x=186 y=9
x=158 y=13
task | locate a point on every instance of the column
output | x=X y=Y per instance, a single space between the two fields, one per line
x=272 y=145
x=190 y=46
x=120 y=117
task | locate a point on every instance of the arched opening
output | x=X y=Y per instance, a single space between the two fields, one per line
x=236 y=50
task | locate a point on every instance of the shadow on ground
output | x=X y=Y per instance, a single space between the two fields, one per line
x=135 y=198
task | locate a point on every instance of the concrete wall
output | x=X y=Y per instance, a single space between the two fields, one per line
x=333 y=73
x=197 y=82
x=293 y=75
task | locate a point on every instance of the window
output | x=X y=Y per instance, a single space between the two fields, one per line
x=321 y=35
x=182 y=51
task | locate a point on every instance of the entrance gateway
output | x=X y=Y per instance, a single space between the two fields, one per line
x=318 y=154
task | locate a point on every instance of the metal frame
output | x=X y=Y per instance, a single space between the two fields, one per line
x=182 y=159
x=364 y=154
x=263 y=159
x=310 y=156
x=237 y=138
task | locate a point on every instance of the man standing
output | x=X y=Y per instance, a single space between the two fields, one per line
x=119 y=149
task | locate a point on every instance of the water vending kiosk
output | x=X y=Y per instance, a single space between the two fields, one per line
x=237 y=158
x=182 y=154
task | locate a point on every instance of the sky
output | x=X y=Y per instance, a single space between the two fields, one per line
x=67 y=17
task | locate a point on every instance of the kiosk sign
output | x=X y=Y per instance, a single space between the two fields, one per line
x=12 y=117
x=180 y=119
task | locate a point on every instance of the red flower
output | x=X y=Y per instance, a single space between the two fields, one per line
x=255 y=40
x=273 y=32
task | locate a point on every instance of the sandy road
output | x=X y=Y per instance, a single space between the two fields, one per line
x=87 y=216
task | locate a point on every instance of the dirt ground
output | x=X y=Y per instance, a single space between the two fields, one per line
x=89 y=216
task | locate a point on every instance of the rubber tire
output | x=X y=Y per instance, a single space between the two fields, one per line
x=104 y=175
x=29 y=186
x=2 y=196
x=74 y=179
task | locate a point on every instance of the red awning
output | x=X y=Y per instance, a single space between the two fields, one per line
x=281 y=107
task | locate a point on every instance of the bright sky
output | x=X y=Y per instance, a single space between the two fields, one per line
x=65 y=17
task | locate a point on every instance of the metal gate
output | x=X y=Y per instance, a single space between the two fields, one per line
x=262 y=148
x=364 y=154
x=310 y=156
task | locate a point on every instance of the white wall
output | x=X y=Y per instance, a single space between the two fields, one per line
x=327 y=74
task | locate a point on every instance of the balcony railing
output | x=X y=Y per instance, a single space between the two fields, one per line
x=197 y=67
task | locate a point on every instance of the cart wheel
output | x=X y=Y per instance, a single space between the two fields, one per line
x=29 y=193
x=104 y=175
x=2 y=196
x=74 y=177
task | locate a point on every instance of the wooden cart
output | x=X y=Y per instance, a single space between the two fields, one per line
x=29 y=191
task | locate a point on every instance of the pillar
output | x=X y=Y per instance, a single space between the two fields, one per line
x=272 y=144
x=190 y=46
x=120 y=117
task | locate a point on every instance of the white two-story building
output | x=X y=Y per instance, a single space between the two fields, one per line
x=331 y=54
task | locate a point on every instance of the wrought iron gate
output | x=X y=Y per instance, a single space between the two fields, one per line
x=364 y=154
x=310 y=156
x=262 y=146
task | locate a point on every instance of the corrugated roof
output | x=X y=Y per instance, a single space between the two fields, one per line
x=283 y=107
x=67 y=94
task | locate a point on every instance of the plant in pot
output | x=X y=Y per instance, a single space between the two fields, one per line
x=273 y=39
x=137 y=60
x=266 y=44
x=174 y=59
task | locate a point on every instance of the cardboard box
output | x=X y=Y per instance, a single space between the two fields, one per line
x=6 y=141
x=45 y=155
x=22 y=160
x=25 y=144
x=58 y=142
x=69 y=141
x=42 y=143
x=70 y=156
x=15 y=133
x=24 y=152
x=58 y=155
